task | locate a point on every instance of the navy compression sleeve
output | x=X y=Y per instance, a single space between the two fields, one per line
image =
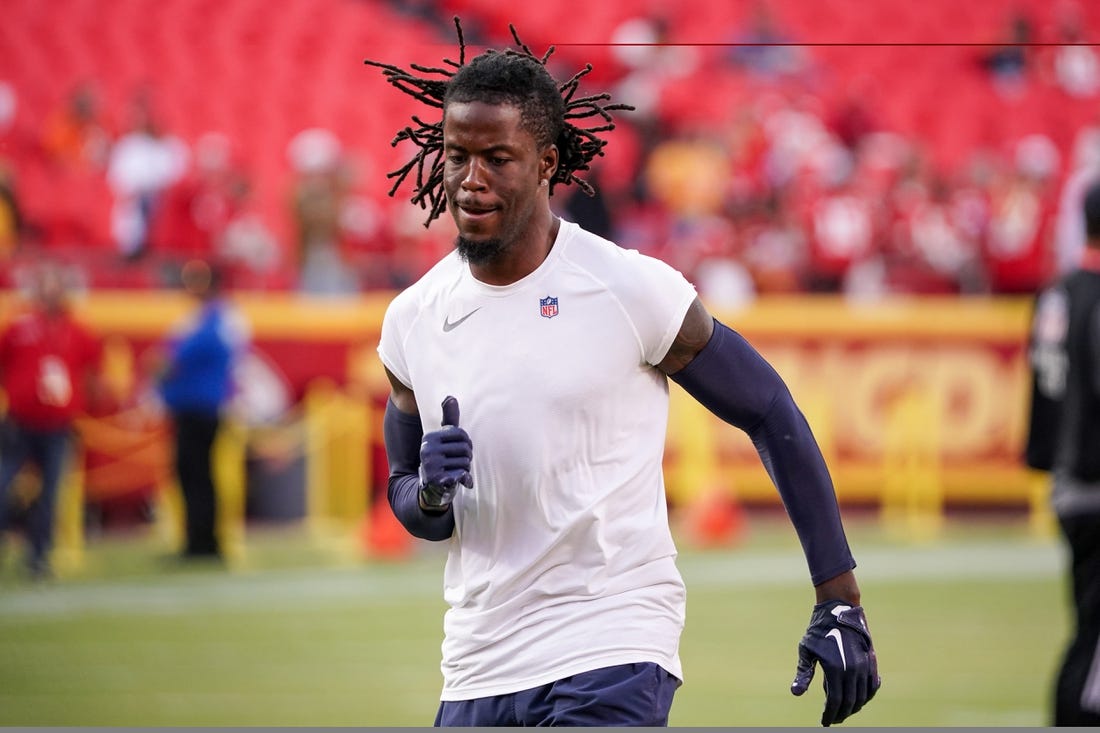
x=733 y=381
x=403 y=434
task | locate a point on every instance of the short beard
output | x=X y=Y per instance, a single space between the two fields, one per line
x=480 y=253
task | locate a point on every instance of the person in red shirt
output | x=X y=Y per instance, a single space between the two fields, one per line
x=47 y=361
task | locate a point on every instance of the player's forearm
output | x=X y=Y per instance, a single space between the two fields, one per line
x=403 y=433
x=793 y=460
x=735 y=383
x=403 y=493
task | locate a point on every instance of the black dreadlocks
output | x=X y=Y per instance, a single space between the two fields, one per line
x=508 y=76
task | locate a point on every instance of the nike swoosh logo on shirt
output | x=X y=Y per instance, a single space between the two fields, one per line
x=449 y=325
x=835 y=636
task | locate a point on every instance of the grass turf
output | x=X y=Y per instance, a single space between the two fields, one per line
x=968 y=626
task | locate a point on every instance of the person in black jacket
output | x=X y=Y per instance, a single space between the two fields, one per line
x=1064 y=438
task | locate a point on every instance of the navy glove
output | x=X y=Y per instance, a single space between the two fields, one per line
x=838 y=637
x=445 y=457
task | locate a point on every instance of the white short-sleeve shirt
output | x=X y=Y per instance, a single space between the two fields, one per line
x=562 y=560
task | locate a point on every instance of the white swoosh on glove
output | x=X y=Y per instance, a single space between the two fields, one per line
x=835 y=636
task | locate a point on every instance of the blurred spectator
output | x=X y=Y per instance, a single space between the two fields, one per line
x=247 y=248
x=711 y=251
x=765 y=49
x=197 y=208
x=641 y=44
x=1069 y=232
x=11 y=213
x=9 y=103
x=688 y=175
x=416 y=248
x=643 y=224
x=366 y=242
x=12 y=140
x=776 y=251
x=747 y=148
x=842 y=233
x=934 y=253
x=74 y=135
x=143 y=163
x=1076 y=65
x=1017 y=249
x=71 y=151
x=591 y=212
x=12 y=221
x=970 y=218
x=49 y=367
x=1008 y=62
x=319 y=190
x=196 y=384
x=853 y=120
x=797 y=139
x=428 y=12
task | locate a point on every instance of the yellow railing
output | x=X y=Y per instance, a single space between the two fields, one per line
x=334 y=433
x=916 y=403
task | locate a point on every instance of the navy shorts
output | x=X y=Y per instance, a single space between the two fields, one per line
x=625 y=695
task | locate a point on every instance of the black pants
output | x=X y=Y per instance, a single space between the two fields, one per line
x=195 y=434
x=1077 y=696
x=49 y=450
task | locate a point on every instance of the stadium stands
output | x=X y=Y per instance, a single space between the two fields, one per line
x=260 y=72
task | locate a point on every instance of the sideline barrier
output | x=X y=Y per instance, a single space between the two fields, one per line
x=338 y=437
x=945 y=377
x=912 y=489
x=135 y=457
x=917 y=403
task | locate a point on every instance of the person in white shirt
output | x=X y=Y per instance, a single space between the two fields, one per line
x=143 y=163
x=526 y=425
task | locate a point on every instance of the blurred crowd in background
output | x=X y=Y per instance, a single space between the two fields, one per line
x=753 y=164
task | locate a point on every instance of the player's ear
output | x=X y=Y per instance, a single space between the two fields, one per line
x=548 y=165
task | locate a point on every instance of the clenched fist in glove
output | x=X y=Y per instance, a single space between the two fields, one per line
x=445 y=457
x=839 y=639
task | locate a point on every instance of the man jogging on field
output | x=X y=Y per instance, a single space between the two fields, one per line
x=526 y=425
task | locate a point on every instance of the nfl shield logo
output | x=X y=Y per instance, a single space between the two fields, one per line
x=548 y=307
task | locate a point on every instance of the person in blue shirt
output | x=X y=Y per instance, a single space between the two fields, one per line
x=196 y=384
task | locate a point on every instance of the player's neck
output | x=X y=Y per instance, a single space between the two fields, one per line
x=524 y=257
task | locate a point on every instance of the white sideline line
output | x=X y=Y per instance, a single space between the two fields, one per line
x=229 y=591
x=975 y=562
x=294 y=589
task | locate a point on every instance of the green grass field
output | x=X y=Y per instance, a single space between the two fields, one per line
x=968 y=627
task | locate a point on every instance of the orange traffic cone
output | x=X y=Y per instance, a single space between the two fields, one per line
x=383 y=536
x=714 y=519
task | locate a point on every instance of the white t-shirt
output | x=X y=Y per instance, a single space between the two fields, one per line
x=562 y=560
